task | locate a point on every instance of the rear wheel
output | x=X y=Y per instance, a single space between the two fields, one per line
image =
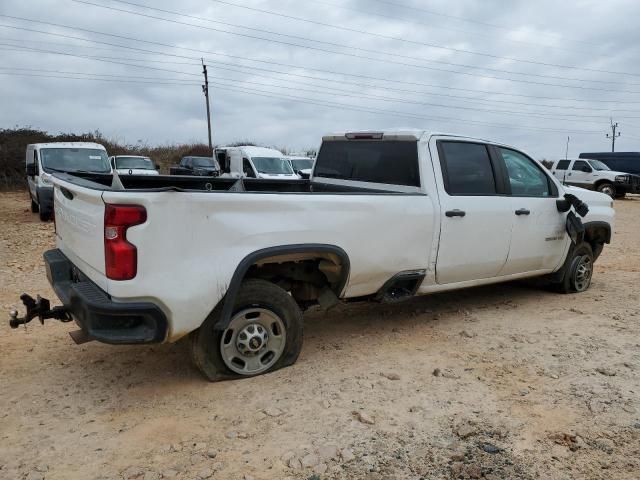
x=607 y=189
x=578 y=270
x=44 y=216
x=34 y=207
x=264 y=334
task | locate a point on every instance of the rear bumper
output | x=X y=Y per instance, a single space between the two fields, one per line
x=96 y=313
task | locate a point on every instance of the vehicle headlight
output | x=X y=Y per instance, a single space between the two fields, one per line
x=622 y=178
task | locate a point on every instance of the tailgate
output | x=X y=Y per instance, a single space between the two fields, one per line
x=79 y=216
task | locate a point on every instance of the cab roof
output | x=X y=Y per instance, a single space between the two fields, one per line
x=95 y=146
x=259 y=151
x=408 y=134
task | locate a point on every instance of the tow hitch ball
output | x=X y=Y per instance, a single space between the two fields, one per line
x=39 y=307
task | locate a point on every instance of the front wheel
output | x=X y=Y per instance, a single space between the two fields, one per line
x=34 y=207
x=264 y=334
x=607 y=189
x=578 y=270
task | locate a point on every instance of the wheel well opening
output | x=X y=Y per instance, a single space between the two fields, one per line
x=307 y=276
x=597 y=236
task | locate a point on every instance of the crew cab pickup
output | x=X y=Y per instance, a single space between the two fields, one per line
x=385 y=216
x=595 y=175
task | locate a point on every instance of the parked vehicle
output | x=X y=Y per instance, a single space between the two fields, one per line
x=595 y=175
x=620 y=161
x=198 y=166
x=133 y=165
x=386 y=216
x=257 y=162
x=302 y=166
x=42 y=159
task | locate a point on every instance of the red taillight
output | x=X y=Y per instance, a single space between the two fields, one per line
x=121 y=257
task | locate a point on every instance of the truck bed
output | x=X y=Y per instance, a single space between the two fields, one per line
x=187 y=183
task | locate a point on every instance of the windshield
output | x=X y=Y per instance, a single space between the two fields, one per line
x=203 y=162
x=598 y=165
x=139 y=163
x=272 y=165
x=75 y=159
x=302 y=164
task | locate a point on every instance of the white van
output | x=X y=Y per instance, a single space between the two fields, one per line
x=42 y=159
x=133 y=165
x=254 y=162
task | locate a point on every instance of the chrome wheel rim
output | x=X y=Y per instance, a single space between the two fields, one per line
x=608 y=191
x=584 y=271
x=253 y=342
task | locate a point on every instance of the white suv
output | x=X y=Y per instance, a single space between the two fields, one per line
x=595 y=175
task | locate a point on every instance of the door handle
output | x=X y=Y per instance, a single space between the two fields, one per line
x=455 y=213
x=523 y=211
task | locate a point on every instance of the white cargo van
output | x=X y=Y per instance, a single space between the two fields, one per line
x=42 y=159
x=257 y=162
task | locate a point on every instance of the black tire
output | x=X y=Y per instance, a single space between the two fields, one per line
x=45 y=216
x=34 y=207
x=579 y=259
x=206 y=342
x=607 y=189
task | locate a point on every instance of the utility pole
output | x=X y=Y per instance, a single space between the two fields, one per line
x=566 y=153
x=614 y=134
x=205 y=90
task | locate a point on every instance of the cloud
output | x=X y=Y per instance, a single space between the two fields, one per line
x=272 y=91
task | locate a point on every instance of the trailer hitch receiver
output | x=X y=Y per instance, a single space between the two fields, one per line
x=40 y=308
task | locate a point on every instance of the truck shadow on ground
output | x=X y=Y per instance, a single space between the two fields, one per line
x=135 y=366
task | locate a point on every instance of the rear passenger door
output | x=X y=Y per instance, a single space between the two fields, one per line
x=476 y=215
x=538 y=239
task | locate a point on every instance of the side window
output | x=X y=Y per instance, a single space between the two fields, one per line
x=582 y=166
x=563 y=165
x=467 y=169
x=186 y=162
x=247 y=169
x=526 y=178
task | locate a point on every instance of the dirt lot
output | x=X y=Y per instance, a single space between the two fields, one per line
x=508 y=381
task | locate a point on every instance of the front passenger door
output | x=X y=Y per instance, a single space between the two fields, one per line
x=580 y=174
x=539 y=238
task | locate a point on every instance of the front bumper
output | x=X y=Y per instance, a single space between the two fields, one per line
x=100 y=317
x=632 y=186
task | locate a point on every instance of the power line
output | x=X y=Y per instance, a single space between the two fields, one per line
x=500 y=93
x=388 y=37
x=352 y=94
x=155 y=82
x=453 y=17
x=375 y=52
x=40 y=70
x=412 y=21
x=390 y=112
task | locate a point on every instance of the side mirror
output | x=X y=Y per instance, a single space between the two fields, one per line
x=563 y=205
x=586 y=169
x=31 y=170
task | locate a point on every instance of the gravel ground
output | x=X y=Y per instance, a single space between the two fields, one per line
x=508 y=381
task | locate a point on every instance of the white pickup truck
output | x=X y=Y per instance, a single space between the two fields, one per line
x=595 y=175
x=233 y=262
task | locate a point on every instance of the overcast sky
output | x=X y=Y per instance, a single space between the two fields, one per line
x=520 y=72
